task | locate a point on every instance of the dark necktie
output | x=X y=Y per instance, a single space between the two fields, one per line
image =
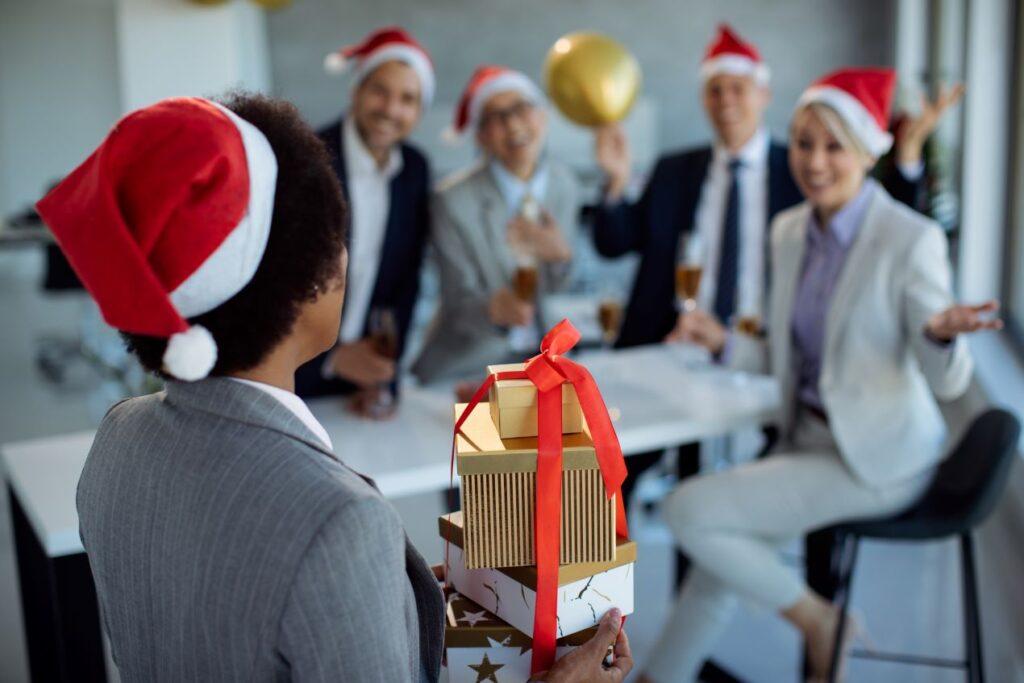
x=729 y=253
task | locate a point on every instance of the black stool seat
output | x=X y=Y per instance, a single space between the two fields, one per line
x=966 y=488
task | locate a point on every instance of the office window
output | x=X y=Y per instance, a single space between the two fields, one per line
x=1013 y=291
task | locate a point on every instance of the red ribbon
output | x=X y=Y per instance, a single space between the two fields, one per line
x=548 y=370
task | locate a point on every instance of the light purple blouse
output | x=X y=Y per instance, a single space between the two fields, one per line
x=824 y=256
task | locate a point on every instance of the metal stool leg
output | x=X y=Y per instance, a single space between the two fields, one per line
x=849 y=560
x=972 y=619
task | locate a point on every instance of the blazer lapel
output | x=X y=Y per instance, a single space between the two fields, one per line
x=494 y=228
x=390 y=250
x=856 y=271
x=788 y=268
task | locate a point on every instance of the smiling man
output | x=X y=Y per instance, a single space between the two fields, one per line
x=513 y=212
x=386 y=183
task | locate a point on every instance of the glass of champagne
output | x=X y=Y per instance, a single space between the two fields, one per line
x=689 y=267
x=383 y=333
x=609 y=316
x=525 y=285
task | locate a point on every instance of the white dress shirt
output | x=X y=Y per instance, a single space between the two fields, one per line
x=710 y=214
x=514 y=189
x=294 y=404
x=369 y=196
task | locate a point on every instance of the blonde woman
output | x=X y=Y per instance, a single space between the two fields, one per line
x=863 y=336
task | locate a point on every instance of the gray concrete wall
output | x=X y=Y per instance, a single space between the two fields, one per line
x=800 y=39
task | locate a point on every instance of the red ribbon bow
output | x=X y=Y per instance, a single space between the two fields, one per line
x=548 y=370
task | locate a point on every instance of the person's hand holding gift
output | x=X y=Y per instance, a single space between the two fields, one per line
x=586 y=664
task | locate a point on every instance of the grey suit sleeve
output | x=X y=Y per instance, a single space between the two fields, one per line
x=462 y=291
x=344 y=619
x=928 y=290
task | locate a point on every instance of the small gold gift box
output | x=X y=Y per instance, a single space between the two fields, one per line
x=513 y=404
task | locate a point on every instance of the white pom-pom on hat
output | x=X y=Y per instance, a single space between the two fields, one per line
x=190 y=355
x=335 y=63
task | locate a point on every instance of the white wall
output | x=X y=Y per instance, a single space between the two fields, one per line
x=58 y=91
x=169 y=48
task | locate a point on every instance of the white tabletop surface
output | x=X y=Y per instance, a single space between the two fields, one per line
x=658 y=396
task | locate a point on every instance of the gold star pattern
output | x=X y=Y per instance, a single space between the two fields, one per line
x=485 y=670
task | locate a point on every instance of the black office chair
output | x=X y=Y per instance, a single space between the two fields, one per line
x=967 y=487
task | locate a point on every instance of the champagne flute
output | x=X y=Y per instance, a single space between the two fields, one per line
x=525 y=284
x=609 y=314
x=689 y=267
x=383 y=333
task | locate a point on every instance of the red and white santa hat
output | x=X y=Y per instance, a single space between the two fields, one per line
x=862 y=98
x=387 y=44
x=167 y=220
x=488 y=80
x=729 y=54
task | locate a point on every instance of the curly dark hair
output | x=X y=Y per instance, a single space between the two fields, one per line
x=303 y=254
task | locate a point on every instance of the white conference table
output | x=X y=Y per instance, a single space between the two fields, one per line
x=659 y=397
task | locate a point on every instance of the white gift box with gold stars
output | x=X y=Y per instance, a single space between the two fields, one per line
x=480 y=648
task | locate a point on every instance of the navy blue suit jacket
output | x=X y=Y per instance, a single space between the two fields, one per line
x=666 y=209
x=398 y=274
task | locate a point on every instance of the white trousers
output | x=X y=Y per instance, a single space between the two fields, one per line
x=732 y=523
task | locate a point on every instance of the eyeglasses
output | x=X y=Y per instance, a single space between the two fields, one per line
x=519 y=110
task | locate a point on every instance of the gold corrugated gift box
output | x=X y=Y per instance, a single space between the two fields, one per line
x=513 y=404
x=499 y=479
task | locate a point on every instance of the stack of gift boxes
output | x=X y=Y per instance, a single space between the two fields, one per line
x=490 y=541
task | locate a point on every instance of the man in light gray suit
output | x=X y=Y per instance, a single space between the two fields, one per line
x=515 y=209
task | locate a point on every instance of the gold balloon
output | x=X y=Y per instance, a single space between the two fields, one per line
x=272 y=4
x=591 y=78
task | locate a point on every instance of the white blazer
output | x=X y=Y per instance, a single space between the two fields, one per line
x=880 y=375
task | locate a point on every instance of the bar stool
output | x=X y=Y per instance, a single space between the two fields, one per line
x=967 y=486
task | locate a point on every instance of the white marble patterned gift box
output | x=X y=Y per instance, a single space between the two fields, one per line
x=585 y=591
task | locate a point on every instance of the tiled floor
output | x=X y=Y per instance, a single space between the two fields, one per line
x=909 y=594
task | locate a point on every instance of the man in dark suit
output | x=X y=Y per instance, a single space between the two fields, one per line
x=386 y=182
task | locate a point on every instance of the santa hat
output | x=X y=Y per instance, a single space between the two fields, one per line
x=862 y=98
x=167 y=220
x=384 y=45
x=487 y=81
x=728 y=54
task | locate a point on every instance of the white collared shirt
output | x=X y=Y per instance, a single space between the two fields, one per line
x=710 y=214
x=294 y=404
x=369 y=197
x=514 y=189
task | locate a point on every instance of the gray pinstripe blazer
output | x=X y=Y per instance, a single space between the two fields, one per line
x=228 y=544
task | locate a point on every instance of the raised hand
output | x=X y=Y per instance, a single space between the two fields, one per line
x=963 y=318
x=612 y=150
x=914 y=131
